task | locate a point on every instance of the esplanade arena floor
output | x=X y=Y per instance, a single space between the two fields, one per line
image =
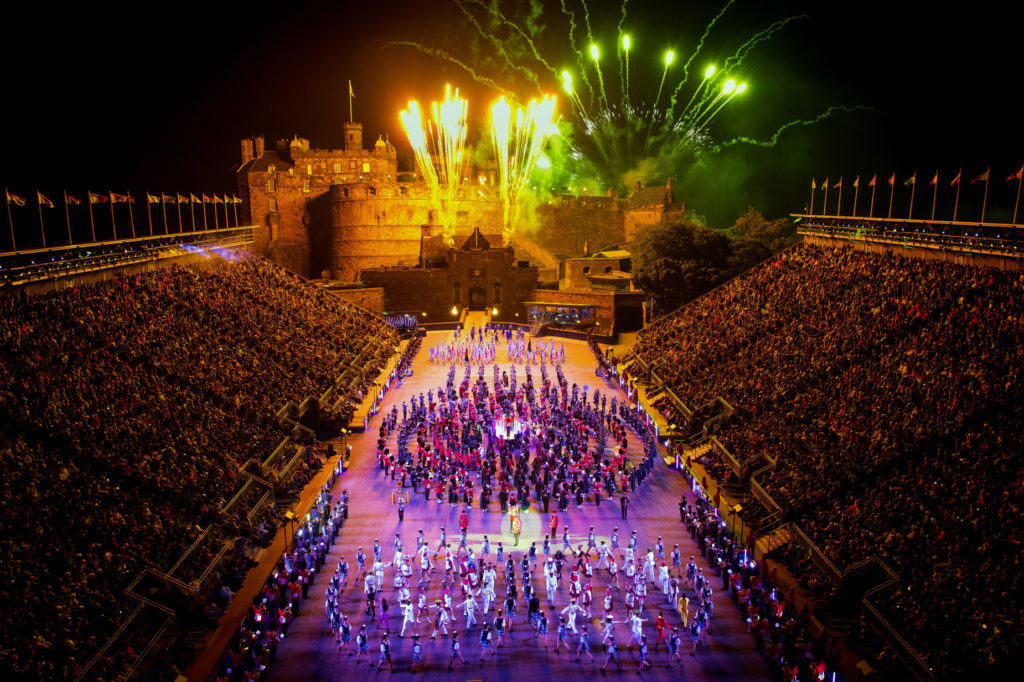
x=309 y=651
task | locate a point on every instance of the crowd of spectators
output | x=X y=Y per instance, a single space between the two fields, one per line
x=128 y=406
x=886 y=392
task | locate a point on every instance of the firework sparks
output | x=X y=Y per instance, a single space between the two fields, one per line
x=518 y=145
x=617 y=137
x=439 y=150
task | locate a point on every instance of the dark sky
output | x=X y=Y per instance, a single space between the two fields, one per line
x=155 y=98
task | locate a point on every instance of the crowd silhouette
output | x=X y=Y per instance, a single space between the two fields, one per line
x=884 y=393
x=128 y=406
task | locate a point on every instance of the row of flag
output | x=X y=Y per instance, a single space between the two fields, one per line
x=911 y=182
x=983 y=177
x=114 y=198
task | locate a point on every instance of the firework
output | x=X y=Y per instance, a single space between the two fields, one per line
x=439 y=150
x=518 y=144
x=616 y=140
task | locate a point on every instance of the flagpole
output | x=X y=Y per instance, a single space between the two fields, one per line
x=892 y=192
x=149 y=215
x=67 y=217
x=216 y=223
x=856 y=193
x=349 y=100
x=92 y=224
x=871 y=209
x=1020 y=181
x=42 y=232
x=234 y=207
x=206 y=225
x=824 y=204
x=10 y=221
x=956 y=203
x=839 y=204
x=192 y=211
x=984 y=199
x=813 y=187
x=163 y=209
x=177 y=203
x=113 y=222
x=935 y=195
x=227 y=221
x=913 y=188
x=131 y=218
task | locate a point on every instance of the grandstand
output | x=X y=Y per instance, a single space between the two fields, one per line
x=152 y=427
x=854 y=400
x=877 y=414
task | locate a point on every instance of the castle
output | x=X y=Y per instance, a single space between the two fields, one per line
x=337 y=213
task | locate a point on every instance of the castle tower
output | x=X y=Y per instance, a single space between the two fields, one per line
x=353 y=136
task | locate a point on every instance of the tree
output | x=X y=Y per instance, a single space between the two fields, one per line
x=774 y=235
x=677 y=261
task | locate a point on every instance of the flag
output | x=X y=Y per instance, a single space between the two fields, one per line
x=194 y=199
x=956 y=180
x=873 y=178
x=97 y=198
x=982 y=177
x=152 y=199
x=236 y=200
x=912 y=180
x=935 y=180
x=182 y=199
x=1016 y=176
x=814 y=185
x=74 y=201
x=838 y=184
x=217 y=199
x=892 y=180
x=207 y=200
x=118 y=198
x=43 y=201
x=14 y=199
x=350 y=93
x=856 y=181
x=167 y=198
x=824 y=185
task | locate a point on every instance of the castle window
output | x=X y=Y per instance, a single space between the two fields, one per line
x=344 y=192
x=352 y=164
x=372 y=191
x=366 y=167
x=403 y=191
x=586 y=269
x=271 y=168
x=497 y=293
x=271 y=184
x=305 y=185
x=272 y=204
x=337 y=166
x=607 y=269
x=309 y=169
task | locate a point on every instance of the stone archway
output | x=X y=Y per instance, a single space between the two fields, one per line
x=477 y=298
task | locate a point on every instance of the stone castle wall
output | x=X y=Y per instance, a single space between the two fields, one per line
x=336 y=212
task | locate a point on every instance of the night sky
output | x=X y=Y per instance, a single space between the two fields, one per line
x=148 y=98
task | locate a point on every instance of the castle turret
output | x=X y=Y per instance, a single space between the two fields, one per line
x=353 y=136
x=258 y=147
x=246 y=151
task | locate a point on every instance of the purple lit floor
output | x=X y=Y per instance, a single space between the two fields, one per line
x=309 y=652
